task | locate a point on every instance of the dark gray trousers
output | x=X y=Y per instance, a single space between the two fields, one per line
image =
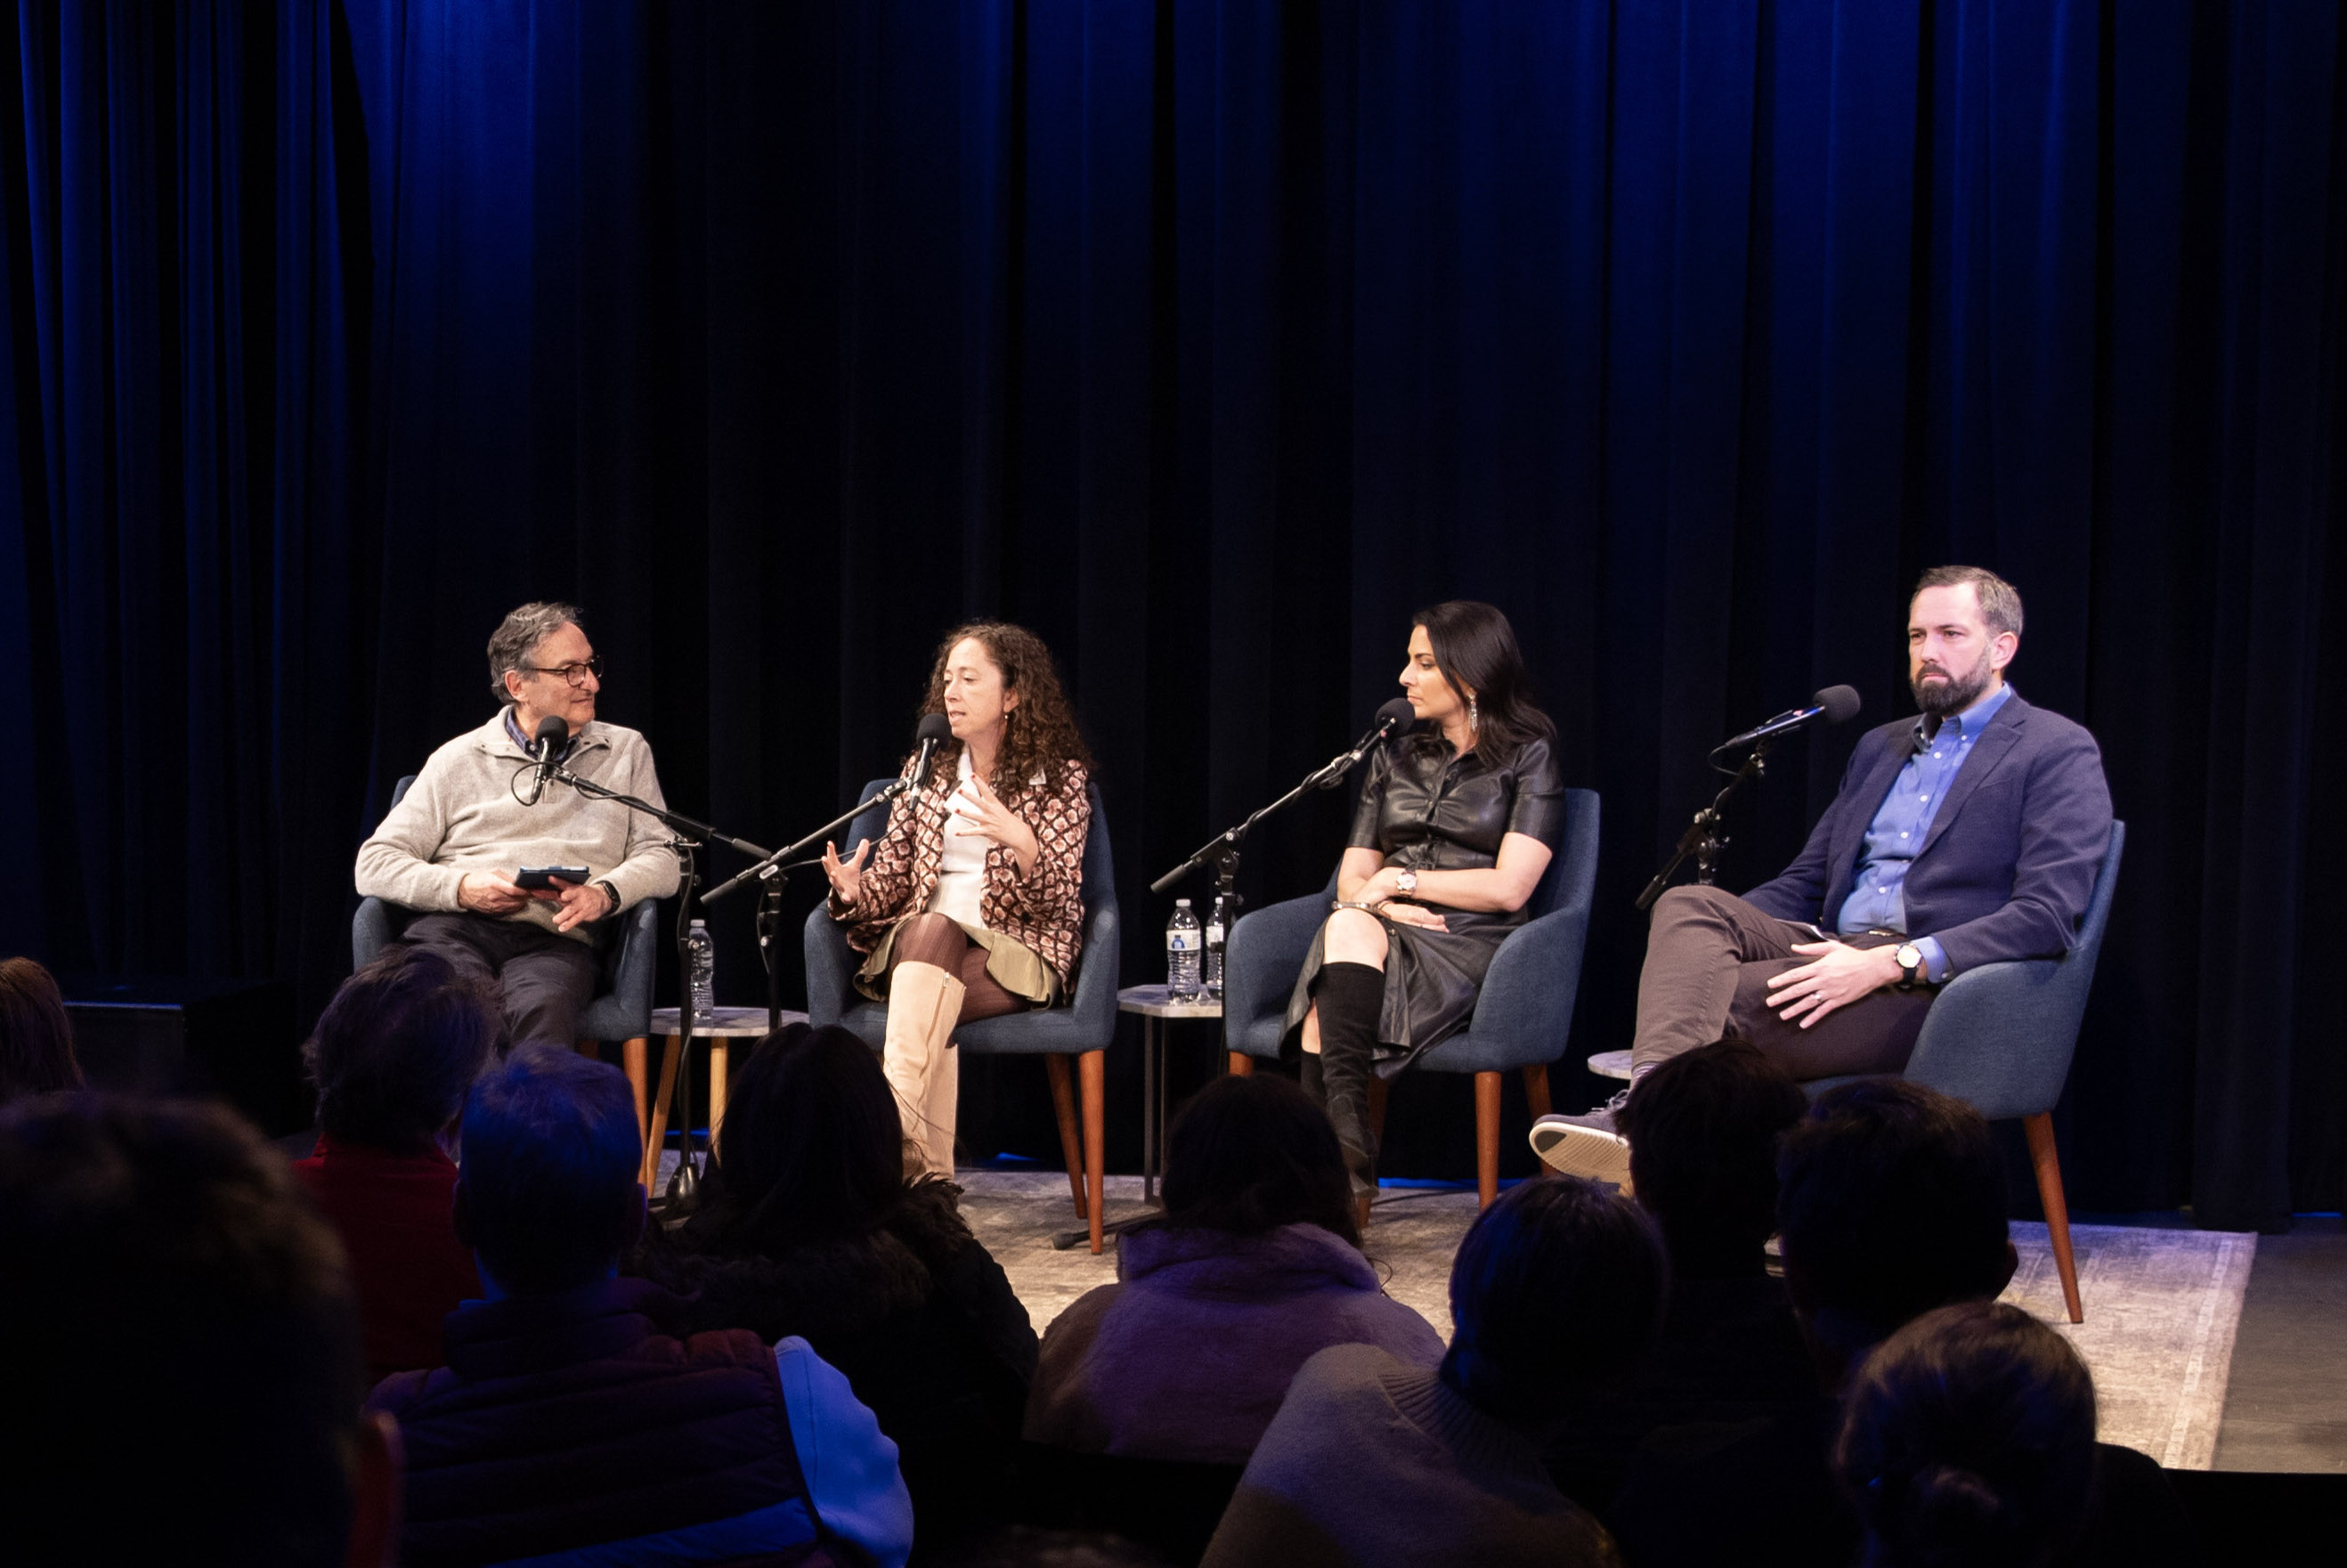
x=1709 y=957
x=543 y=981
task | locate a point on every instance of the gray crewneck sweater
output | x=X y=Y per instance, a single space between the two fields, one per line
x=462 y=815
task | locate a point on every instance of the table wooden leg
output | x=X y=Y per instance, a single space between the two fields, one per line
x=716 y=1089
x=658 y=1133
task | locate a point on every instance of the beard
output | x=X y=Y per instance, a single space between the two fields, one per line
x=1939 y=698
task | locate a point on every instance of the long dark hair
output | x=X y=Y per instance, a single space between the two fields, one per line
x=1475 y=648
x=1040 y=737
x=1251 y=1155
x=812 y=1151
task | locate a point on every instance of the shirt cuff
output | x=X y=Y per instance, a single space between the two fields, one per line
x=1935 y=958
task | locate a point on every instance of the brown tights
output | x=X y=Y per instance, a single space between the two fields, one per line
x=936 y=940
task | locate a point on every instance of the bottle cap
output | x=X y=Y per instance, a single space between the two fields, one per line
x=1181 y=903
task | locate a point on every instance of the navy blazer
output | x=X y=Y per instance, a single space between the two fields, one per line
x=2010 y=860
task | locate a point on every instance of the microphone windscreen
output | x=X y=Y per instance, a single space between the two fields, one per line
x=1399 y=710
x=552 y=730
x=933 y=727
x=1840 y=702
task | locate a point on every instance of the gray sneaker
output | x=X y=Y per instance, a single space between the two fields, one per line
x=1585 y=1145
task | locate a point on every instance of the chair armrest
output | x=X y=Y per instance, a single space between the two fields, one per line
x=1094 y=1003
x=1261 y=958
x=2000 y=1037
x=831 y=963
x=636 y=965
x=372 y=928
x=1528 y=993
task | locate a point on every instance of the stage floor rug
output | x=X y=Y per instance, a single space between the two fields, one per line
x=2161 y=1304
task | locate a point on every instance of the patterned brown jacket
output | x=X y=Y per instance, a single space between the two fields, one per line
x=1044 y=909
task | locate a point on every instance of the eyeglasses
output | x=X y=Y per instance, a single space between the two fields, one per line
x=575 y=673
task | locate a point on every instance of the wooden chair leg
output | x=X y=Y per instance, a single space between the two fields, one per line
x=717 y=1086
x=1380 y=1088
x=1063 y=1101
x=657 y=1135
x=2040 y=1131
x=1487 y=1139
x=633 y=1061
x=1242 y=1064
x=1092 y=1068
x=1536 y=1089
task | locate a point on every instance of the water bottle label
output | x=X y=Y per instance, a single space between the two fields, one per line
x=1177 y=941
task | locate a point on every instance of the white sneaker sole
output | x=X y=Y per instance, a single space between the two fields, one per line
x=1584 y=1152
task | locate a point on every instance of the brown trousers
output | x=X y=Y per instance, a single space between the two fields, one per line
x=1710 y=958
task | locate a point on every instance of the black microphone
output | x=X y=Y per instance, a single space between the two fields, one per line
x=1835 y=705
x=934 y=731
x=551 y=734
x=1393 y=719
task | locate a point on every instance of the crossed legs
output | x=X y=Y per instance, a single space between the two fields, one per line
x=936 y=980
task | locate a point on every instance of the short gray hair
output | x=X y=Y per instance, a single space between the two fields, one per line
x=2000 y=601
x=518 y=635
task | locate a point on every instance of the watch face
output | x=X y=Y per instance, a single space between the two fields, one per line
x=1910 y=955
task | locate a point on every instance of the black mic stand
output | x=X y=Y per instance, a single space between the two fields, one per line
x=770 y=872
x=1222 y=853
x=1703 y=838
x=690 y=834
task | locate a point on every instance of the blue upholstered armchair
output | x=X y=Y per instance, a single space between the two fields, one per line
x=622 y=1008
x=2001 y=1037
x=1522 y=1014
x=1083 y=1028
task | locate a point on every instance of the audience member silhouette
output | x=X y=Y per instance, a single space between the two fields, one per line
x=1254 y=1268
x=1703 y=1130
x=809 y=1225
x=1556 y=1292
x=185 y=1380
x=393 y=1056
x=1890 y=1203
x=37 y=1053
x=1968 y=1442
x=571 y=1417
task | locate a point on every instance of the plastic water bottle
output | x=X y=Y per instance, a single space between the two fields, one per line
x=701 y=950
x=1214 y=952
x=1181 y=955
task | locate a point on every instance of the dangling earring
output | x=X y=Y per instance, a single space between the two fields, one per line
x=1472 y=719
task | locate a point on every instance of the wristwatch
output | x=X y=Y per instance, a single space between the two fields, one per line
x=1911 y=966
x=1407 y=882
x=609 y=892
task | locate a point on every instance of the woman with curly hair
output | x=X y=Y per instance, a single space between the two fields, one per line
x=971 y=903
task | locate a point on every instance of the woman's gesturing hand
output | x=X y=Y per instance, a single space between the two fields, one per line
x=976 y=805
x=846 y=875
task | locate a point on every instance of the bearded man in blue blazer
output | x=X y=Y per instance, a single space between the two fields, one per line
x=1965 y=837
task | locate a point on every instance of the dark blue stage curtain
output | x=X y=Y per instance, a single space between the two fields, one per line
x=1208 y=339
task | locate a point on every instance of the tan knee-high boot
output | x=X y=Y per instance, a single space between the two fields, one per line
x=919 y=1058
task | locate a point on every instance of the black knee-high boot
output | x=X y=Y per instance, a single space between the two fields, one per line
x=1350 y=998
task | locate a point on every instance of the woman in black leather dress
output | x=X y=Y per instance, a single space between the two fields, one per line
x=1457 y=822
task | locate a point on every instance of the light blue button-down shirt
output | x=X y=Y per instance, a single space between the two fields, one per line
x=1879 y=901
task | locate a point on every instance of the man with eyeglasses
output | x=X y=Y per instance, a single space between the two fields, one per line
x=452 y=846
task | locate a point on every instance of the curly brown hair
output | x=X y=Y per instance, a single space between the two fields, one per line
x=1040 y=737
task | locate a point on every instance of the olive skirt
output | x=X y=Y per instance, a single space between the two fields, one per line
x=1013 y=964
